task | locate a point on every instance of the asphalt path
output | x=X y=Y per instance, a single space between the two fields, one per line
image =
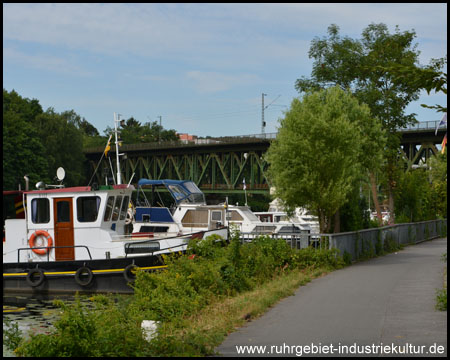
x=381 y=307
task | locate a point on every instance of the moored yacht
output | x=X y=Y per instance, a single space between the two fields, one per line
x=188 y=213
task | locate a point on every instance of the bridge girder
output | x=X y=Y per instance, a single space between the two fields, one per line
x=214 y=168
x=222 y=167
x=417 y=147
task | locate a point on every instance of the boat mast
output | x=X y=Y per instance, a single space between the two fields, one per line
x=119 y=179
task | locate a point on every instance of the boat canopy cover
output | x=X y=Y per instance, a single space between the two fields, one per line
x=181 y=190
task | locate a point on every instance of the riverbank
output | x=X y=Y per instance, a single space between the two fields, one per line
x=201 y=298
x=211 y=276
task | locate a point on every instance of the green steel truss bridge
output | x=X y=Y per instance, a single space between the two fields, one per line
x=220 y=165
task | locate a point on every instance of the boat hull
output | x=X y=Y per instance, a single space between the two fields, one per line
x=84 y=276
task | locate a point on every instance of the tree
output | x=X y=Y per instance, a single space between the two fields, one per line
x=23 y=152
x=438 y=176
x=36 y=143
x=355 y=64
x=133 y=132
x=319 y=152
x=63 y=143
x=429 y=78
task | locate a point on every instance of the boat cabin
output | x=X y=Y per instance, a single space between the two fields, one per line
x=63 y=224
x=188 y=211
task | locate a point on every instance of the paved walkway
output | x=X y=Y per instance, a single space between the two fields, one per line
x=387 y=301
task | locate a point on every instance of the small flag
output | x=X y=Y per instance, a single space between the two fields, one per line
x=245 y=187
x=444 y=142
x=442 y=122
x=108 y=146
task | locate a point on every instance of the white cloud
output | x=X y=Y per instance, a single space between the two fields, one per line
x=208 y=32
x=210 y=82
x=42 y=61
x=102 y=28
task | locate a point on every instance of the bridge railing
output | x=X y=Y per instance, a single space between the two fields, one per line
x=424 y=125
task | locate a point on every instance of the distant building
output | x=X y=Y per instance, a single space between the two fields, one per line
x=186 y=138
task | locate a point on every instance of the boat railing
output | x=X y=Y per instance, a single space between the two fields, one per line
x=51 y=247
x=153 y=244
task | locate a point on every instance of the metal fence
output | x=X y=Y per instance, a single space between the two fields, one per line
x=364 y=243
x=372 y=242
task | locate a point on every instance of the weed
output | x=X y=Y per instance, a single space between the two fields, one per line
x=441 y=299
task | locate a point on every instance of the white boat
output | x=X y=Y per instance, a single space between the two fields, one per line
x=76 y=239
x=189 y=213
x=301 y=217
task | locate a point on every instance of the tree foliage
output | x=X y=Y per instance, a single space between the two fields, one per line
x=64 y=145
x=37 y=142
x=23 y=152
x=133 y=132
x=429 y=78
x=319 y=151
x=362 y=65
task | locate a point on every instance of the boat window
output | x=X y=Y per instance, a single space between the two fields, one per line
x=235 y=216
x=261 y=228
x=108 y=210
x=249 y=215
x=40 y=211
x=195 y=218
x=123 y=210
x=289 y=229
x=178 y=192
x=154 y=229
x=192 y=187
x=87 y=208
x=63 y=211
x=216 y=215
x=116 y=209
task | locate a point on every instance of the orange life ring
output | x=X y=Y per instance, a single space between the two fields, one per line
x=33 y=238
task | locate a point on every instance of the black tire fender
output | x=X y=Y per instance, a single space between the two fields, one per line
x=128 y=273
x=84 y=270
x=34 y=281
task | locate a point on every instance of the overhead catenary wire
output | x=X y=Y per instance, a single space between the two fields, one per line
x=256 y=111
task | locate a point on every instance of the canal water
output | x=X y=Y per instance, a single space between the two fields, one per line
x=34 y=314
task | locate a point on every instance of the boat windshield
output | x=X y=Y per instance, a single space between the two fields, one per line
x=181 y=191
x=196 y=195
x=249 y=215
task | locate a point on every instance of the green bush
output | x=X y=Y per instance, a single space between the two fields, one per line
x=106 y=329
x=311 y=257
x=347 y=258
x=390 y=245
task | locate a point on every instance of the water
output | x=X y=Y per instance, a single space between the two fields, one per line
x=33 y=314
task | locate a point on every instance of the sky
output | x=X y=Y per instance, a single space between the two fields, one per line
x=202 y=67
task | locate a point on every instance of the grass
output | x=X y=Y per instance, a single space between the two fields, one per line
x=441 y=294
x=209 y=327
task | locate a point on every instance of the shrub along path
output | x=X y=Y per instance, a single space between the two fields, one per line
x=386 y=300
